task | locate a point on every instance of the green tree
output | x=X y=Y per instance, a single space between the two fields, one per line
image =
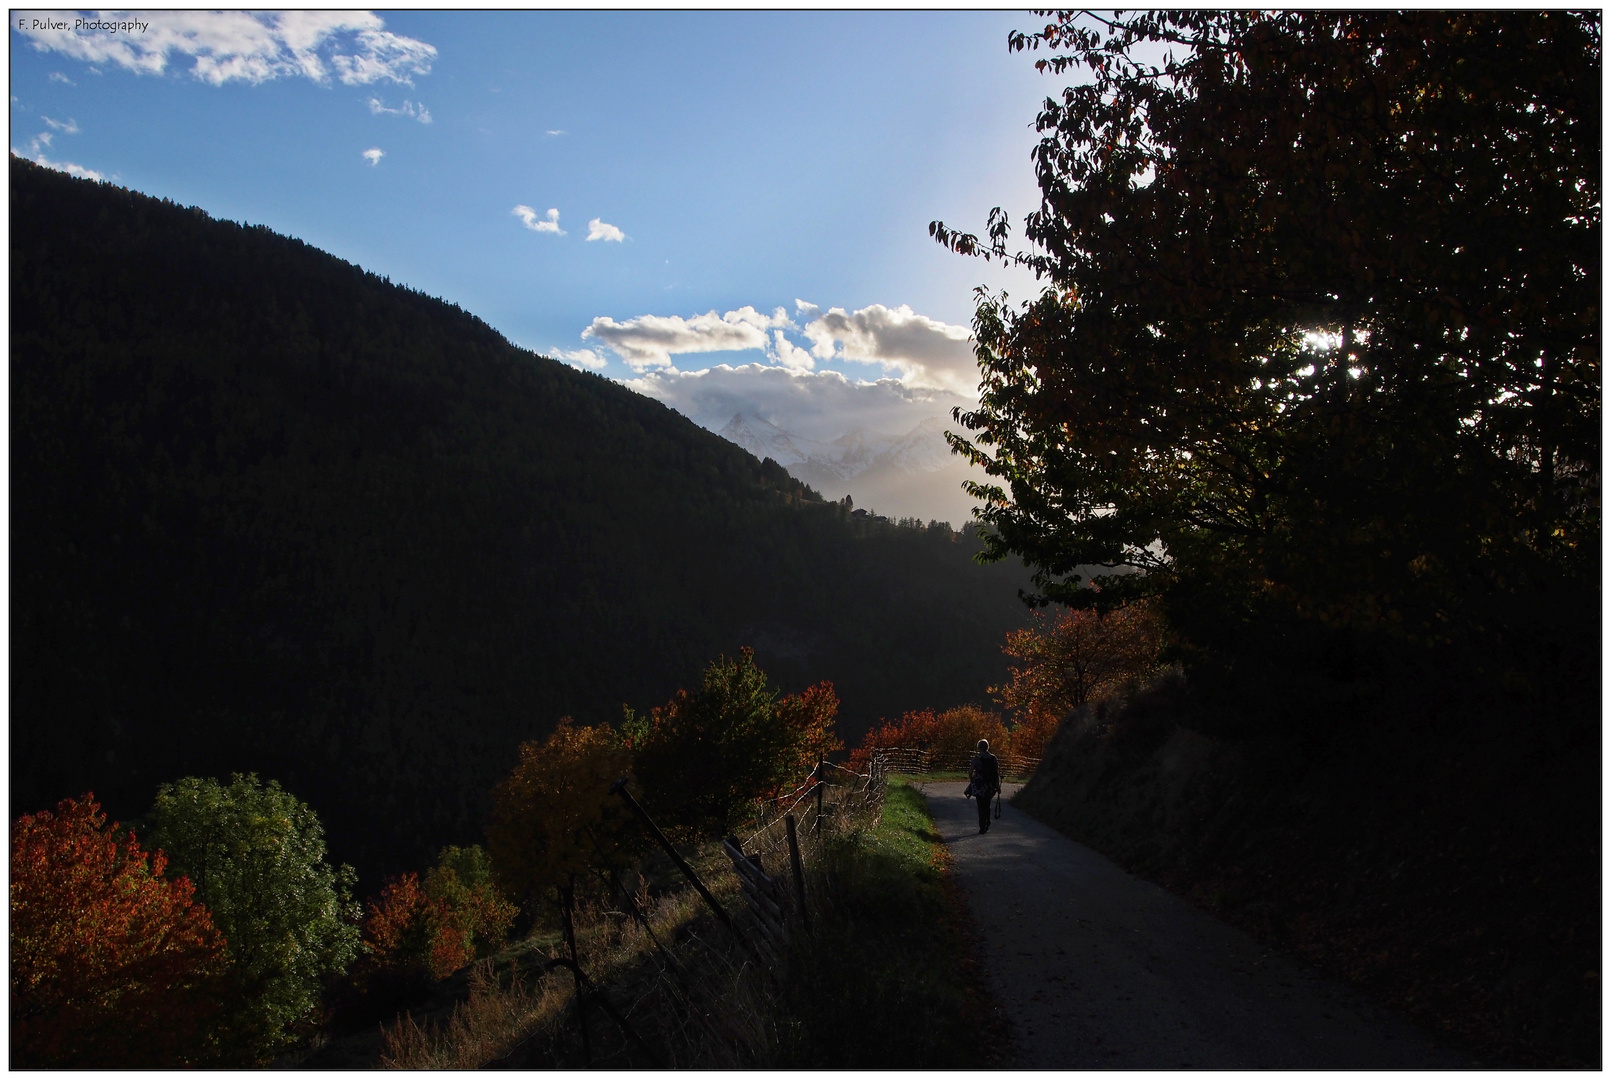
x=704 y=757
x=256 y=856
x=1320 y=330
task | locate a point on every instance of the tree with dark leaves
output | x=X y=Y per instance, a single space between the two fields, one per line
x=1320 y=330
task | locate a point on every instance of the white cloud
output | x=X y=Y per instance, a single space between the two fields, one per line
x=69 y=128
x=556 y=131
x=582 y=358
x=536 y=224
x=68 y=167
x=373 y=155
x=56 y=76
x=791 y=355
x=821 y=405
x=600 y=230
x=925 y=351
x=236 y=45
x=42 y=139
x=649 y=341
x=407 y=108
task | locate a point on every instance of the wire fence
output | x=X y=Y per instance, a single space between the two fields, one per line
x=710 y=984
x=906 y=760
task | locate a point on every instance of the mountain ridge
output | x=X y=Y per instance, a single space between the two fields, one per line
x=273 y=513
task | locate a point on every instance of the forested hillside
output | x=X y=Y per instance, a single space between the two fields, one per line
x=271 y=512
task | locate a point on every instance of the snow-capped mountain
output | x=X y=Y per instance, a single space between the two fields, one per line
x=922 y=449
x=910 y=475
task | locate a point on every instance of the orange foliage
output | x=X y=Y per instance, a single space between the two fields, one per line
x=395 y=919
x=950 y=737
x=809 y=716
x=441 y=926
x=111 y=964
x=1068 y=658
x=553 y=813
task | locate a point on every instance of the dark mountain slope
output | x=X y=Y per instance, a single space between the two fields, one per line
x=271 y=512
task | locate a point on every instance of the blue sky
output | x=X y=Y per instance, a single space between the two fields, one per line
x=758 y=185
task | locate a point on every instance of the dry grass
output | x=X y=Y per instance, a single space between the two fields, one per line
x=513 y=1002
x=698 y=999
x=483 y=1027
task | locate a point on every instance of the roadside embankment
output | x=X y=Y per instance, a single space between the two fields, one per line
x=1455 y=880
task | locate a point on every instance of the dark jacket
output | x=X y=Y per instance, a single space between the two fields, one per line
x=985 y=774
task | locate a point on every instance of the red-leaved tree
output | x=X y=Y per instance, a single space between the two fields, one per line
x=1072 y=657
x=950 y=737
x=112 y=965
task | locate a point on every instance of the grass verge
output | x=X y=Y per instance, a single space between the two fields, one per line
x=889 y=979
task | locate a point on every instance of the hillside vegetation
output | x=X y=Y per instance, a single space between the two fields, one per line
x=271 y=513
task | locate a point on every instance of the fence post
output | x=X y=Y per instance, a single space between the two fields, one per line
x=619 y=788
x=816 y=826
x=799 y=871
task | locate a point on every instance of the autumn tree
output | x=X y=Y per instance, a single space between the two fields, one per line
x=456 y=916
x=1320 y=325
x=1069 y=657
x=113 y=963
x=950 y=736
x=705 y=756
x=554 y=816
x=256 y=854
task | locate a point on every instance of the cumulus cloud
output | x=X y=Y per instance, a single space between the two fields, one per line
x=373 y=155
x=650 y=341
x=600 y=230
x=42 y=139
x=536 y=224
x=924 y=351
x=56 y=76
x=226 y=46
x=791 y=355
x=582 y=358
x=407 y=108
x=68 y=128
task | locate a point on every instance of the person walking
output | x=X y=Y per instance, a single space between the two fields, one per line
x=984 y=780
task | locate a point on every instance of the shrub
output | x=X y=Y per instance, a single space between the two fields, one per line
x=112 y=964
x=456 y=917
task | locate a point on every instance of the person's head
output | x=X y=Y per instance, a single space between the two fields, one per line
x=984 y=745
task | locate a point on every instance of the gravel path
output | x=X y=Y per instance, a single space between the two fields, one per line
x=1097 y=969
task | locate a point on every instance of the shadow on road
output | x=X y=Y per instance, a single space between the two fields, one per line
x=1098 y=969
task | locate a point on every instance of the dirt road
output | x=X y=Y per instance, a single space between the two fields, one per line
x=1097 y=969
